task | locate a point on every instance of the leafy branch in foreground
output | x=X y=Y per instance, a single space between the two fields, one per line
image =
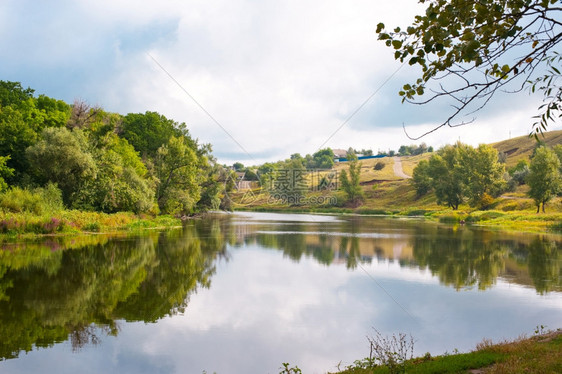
x=468 y=50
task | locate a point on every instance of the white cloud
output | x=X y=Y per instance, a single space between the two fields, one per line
x=280 y=77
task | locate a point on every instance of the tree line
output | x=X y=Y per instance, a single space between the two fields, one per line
x=461 y=173
x=102 y=161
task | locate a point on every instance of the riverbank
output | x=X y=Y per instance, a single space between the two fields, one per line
x=521 y=221
x=538 y=354
x=74 y=222
x=513 y=211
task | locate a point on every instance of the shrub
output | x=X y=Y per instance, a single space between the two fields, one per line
x=520 y=175
x=379 y=165
x=17 y=200
x=93 y=227
x=485 y=201
x=37 y=201
x=52 y=226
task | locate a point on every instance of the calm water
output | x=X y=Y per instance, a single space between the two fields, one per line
x=244 y=293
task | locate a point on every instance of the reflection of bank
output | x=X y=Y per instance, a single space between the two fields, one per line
x=57 y=289
x=476 y=258
x=461 y=259
x=48 y=297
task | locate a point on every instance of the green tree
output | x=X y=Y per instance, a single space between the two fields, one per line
x=16 y=134
x=228 y=178
x=323 y=159
x=215 y=180
x=149 y=131
x=558 y=150
x=5 y=172
x=404 y=150
x=544 y=176
x=178 y=175
x=521 y=165
x=482 y=173
x=479 y=47
x=116 y=187
x=421 y=178
x=12 y=93
x=267 y=174
x=22 y=118
x=447 y=181
x=57 y=112
x=351 y=184
x=62 y=157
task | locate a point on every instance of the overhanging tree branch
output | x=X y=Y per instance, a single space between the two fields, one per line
x=465 y=50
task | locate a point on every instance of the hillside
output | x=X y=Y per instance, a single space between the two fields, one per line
x=522 y=146
x=388 y=193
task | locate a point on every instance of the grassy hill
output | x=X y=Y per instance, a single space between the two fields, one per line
x=522 y=147
x=388 y=193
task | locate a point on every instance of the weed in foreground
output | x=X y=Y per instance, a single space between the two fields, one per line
x=392 y=352
x=289 y=370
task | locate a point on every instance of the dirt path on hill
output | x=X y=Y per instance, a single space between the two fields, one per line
x=398 y=168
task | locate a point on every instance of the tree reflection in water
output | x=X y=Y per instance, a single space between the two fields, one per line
x=79 y=288
x=460 y=258
x=50 y=296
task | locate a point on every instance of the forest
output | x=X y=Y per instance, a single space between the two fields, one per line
x=55 y=155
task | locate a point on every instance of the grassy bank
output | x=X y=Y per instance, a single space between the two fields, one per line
x=538 y=354
x=73 y=221
x=523 y=220
x=511 y=211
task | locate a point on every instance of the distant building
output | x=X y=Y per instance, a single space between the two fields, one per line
x=339 y=153
x=243 y=184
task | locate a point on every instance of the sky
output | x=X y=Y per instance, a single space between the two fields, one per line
x=259 y=80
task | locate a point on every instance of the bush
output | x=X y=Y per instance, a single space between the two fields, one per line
x=26 y=223
x=379 y=165
x=17 y=200
x=37 y=201
x=485 y=202
x=520 y=175
x=93 y=227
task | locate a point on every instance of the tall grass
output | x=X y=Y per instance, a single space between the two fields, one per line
x=37 y=201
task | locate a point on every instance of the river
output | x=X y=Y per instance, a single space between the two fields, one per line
x=246 y=292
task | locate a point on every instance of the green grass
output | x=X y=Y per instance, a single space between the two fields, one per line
x=539 y=354
x=457 y=363
x=74 y=221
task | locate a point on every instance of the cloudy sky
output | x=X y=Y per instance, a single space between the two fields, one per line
x=279 y=77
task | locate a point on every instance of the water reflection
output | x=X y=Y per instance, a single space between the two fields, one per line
x=48 y=296
x=459 y=257
x=80 y=289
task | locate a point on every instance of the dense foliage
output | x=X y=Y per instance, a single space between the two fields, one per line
x=461 y=171
x=350 y=184
x=544 y=176
x=104 y=161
